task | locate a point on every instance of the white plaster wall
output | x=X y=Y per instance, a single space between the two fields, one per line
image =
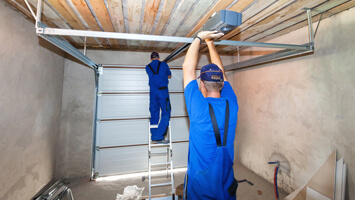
x=78 y=103
x=31 y=79
x=301 y=108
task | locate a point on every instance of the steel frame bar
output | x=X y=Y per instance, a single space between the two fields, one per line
x=279 y=55
x=159 y=38
x=29 y=7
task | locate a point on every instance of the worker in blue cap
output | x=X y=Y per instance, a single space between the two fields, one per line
x=212 y=108
x=159 y=73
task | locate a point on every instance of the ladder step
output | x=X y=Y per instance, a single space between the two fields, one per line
x=157 y=145
x=157 y=164
x=161 y=184
x=154 y=126
x=159 y=154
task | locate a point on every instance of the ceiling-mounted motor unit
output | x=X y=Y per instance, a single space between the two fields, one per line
x=223 y=21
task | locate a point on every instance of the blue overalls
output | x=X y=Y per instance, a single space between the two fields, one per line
x=159 y=100
x=217 y=181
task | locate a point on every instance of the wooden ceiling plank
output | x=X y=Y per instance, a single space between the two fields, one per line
x=237 y=7
x=168 y=7
x=302 y=21
x=221 y=5
x=116 y=10
x=253 y=11
x=280 y=16
x=85 y=12
x=329 y=13
x=63 y=8
x=103 y=16
x=194 y=17
x=301 y=17
x=49 y=17
x=178 y=16
x=150 y=12
x=260 y=15
x=134 y=19
x=66 y=12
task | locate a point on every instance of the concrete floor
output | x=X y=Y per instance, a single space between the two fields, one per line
x=107 y=190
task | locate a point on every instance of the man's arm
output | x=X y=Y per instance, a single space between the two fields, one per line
x=215 y=58
x=190 y=63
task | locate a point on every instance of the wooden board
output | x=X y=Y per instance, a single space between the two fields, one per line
x=116 y=11
x=85 y=12
x=103 y=16
x=164 y=18
x=150 y=11
x=221 y=5
x=253 y=11
x=181 y=11
x=134 y=19
x=51 y=19
x=299 y=25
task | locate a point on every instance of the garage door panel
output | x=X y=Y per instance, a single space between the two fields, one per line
x=122 y=132
x=180 y=151
x=135 y=106
x=124 y=80
x=135 y=80
x=123 y=117
x=123 y=106
x=178 y=107
x=122 y=160
x=133 y=132
x=180 y=129
x=176 y=83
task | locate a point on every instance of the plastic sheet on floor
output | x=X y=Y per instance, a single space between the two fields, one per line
x=131 y=193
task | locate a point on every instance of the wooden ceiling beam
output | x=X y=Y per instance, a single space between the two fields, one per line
x=178 y=16
x=116 y=11
x=165 y=15
x=194 y=18
x=134 y=19
x=221 y=5
x=103 y=16
x=85 y=12
x=67 y=13
x=44 y=17
x=328 y=13
x=150 y=13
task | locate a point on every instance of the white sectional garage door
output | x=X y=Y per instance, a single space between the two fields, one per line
x=123 y=117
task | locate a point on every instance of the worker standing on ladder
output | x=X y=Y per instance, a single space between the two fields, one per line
x=159 y=73
x=212 y=110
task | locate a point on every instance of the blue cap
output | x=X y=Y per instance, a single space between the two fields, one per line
x=212 y=73
x=154 y=55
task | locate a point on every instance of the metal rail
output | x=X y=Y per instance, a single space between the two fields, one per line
x=159 y=38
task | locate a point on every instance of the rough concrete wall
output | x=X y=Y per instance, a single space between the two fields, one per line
x=301 y=108
x=31 y=79
x=78 y=104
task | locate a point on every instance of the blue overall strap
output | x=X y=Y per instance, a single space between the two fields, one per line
x=217 y=134
x=153 y=70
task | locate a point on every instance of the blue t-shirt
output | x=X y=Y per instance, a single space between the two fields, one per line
x=202 y=145
x=161 y=79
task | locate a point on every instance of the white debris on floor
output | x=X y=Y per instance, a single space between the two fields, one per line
x=131 y=193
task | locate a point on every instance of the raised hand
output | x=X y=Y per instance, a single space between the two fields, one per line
x=209 y=35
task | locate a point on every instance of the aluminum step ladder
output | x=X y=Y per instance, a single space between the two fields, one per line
x=164 y=150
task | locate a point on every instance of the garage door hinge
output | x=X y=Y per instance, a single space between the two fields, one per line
x=97 y=148
x=101 y=70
